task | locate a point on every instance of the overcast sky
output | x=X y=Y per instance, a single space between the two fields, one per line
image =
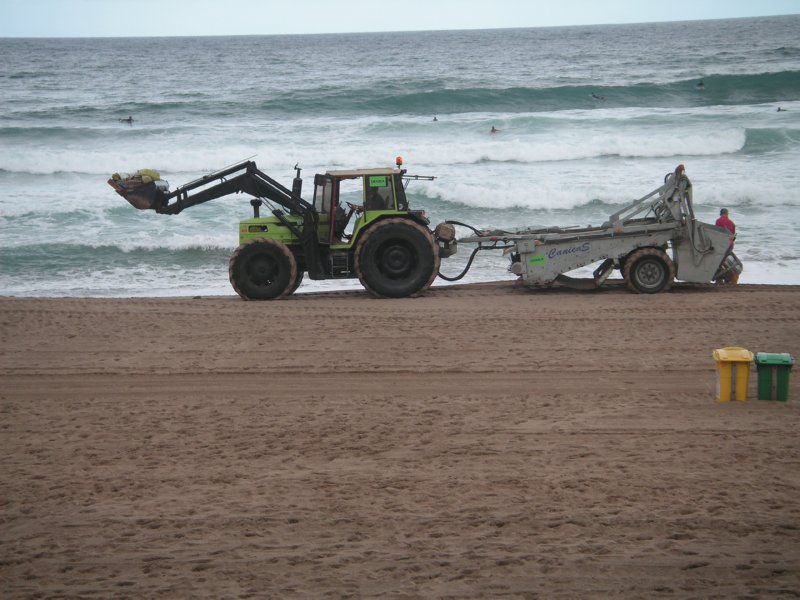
x=111 y=18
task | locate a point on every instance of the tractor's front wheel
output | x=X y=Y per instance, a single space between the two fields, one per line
x=263 y=269
x=649 y=271
x=396 y=258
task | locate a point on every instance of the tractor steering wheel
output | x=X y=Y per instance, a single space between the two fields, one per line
x=355 y=208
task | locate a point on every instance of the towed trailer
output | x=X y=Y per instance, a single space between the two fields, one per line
x=650 y=251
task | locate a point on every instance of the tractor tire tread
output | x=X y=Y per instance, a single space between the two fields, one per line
x=283 y=251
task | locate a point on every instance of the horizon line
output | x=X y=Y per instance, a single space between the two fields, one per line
x=387 y=31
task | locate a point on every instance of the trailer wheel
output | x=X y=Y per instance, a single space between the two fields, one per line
x=649 y=271
x=263 y=269
x=396 y=258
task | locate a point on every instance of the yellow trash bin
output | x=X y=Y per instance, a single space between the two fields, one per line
x=733 y=372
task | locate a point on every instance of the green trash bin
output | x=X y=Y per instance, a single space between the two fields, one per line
x=773 y=375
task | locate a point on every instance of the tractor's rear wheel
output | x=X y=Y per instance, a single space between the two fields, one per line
x=649 y=271
x=297 y=281
x=437 y=263
x=396 y=258
x=263 y=269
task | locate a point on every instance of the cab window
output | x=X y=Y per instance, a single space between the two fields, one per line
x=378 y=192
x=323 y=192
x=402 y=203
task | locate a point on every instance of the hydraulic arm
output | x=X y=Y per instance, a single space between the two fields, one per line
x=249 y=180
x=242 y=177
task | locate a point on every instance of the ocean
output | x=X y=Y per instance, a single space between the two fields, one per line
x=589 y=118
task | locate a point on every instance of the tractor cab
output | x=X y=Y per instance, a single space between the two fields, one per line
x=366 y=193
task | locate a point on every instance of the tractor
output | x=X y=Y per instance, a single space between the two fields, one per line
x=376 y=238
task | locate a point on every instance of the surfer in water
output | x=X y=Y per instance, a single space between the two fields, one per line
x=597 y=97
x=701 y=85
x=129 y=120
x=493 y=129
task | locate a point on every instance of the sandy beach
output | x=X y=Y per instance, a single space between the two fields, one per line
x=481 y=441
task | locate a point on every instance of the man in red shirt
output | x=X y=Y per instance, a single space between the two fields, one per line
x=724 y=221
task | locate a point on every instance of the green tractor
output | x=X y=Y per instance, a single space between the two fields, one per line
x=376 y=238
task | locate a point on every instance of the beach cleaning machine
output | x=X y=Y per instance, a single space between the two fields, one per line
x=650 y=251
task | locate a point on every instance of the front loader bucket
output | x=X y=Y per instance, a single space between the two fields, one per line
x=141 y=191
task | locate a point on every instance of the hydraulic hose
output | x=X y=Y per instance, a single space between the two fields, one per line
x=475 y=231
x=464 y=272
x=471 y=256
